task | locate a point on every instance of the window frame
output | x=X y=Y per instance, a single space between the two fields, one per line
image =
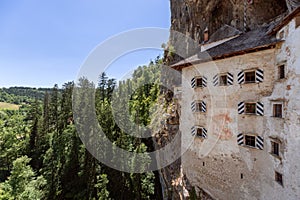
x=245 y=76
x=273 y=152
x=201 y=135
x=245 y=140
x=197 y=79
x=245 y=107
x=198 y=108
x=274 y=110
x=280 y=68
x=221 y=83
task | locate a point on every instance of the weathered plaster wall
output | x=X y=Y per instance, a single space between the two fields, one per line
x=288 y=91
x=215 y=164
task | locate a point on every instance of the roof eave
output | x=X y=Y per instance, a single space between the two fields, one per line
x=285 y=21
x=228 y=55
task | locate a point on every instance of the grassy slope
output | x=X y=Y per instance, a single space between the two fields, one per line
x=8 y=106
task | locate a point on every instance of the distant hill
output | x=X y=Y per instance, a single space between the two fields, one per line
x=19 y=95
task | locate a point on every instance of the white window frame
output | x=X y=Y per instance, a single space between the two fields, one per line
x=282 y=109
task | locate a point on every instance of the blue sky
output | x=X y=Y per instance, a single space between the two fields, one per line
x=45 y=42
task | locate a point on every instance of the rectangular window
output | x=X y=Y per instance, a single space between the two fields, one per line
x=250 y=77
x=250 y=140
x=199 y=132
x=281 y=71
x=250 y=108
x=223 y=80
x=275 y=148
x=278 y=178
x=277 y=110
x=199 y=82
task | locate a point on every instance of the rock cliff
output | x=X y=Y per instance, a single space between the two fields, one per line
x=192 y=17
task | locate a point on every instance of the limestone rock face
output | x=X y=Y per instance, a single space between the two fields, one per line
x=191 y=17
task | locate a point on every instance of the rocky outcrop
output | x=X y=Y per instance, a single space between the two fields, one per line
x=192 y=17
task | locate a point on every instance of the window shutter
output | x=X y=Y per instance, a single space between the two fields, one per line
x=259 y=75
x=260 y=108
x=193 y=106
x=229 y=78
x=241 y=77
x=240 y=139
x=193 y=82
x=193 y=130
x=203 y=106
x=216 y=80
x=204 y=133
x=204 y=81
x=241 y=107
x=259 y=142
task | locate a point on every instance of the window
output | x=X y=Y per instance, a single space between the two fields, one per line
x=278 y=178
x=250 y=140
x=198 y=106
x=277 y=110
x=297 y=21
x=199 y=82
x=199 y=132
x=250 y=108
x=281 y=72
x=275 y=148
x=223 y=80
x=250 y=77
x=253 y=76
x=201 y=106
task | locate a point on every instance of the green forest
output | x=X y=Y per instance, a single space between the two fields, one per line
x=43 y=157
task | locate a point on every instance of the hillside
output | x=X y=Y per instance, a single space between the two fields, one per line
x=8 y=106
x=19 y=95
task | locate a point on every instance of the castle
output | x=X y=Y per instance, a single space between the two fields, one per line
x=242 y=107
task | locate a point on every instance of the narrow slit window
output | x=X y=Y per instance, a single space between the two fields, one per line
x=277 y=110
x=281 y=72
x=250 y=77
x=278 y=178
x=250 y=140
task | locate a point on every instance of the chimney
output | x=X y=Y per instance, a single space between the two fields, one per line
x=206 y=36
